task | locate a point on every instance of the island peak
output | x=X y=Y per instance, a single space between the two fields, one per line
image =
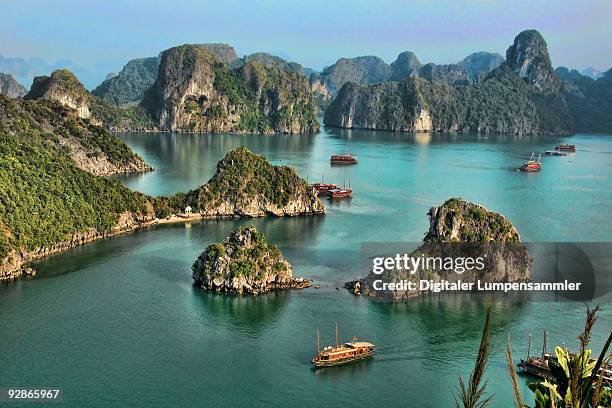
x=244 y=263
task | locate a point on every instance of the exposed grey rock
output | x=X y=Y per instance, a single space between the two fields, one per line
x=10 y=87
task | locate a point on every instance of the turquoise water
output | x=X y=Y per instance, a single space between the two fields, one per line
x=118 y=323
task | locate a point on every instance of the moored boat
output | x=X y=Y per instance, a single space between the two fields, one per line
x=345 y=158
x=564 y=147
x=532 y=164
x=324 y=187
x=539 y=366
x=340 y=193
x=340 y=354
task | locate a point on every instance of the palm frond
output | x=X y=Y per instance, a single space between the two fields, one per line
x=472 y=395
x=518 y=398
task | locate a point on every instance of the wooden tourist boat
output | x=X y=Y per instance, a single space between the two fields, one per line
x=345 y=158
x=563 y=147
x=338 y=193
x=340 y=354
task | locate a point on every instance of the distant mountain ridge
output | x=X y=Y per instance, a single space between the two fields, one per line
x=367 y=70
x=522 y=96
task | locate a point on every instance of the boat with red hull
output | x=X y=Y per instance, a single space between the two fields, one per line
x=343 y=159
x=532 y=164
x=338 y=193
x=324 y=187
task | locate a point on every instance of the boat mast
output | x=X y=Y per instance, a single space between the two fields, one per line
x=318 y=345
x=544 y=345
x=529 y=346
x=337 y=336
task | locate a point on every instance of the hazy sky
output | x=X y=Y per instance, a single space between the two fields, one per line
x=314 y=33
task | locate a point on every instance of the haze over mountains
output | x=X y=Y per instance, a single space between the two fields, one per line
x=209 y=88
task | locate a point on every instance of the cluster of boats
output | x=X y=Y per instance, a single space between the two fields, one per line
x=332 y=190
x=538 y=366
x=536 y=165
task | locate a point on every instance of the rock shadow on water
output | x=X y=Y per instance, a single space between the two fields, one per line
x=247 y=314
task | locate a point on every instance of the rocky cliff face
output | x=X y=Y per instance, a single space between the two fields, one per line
x=501 y=103
x=194 y=92
x=64 y=87
x=138 y=75
x=528 y=58
x=247 y=185
x=130 y=85
x=386 y=106
x=10 y=87
x=244 y=263
x=458 y=229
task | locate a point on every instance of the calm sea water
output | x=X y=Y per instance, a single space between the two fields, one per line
x=118 y=323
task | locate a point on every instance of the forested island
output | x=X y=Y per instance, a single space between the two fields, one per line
x=457 y=229
x=54 y=195
x=244 y=263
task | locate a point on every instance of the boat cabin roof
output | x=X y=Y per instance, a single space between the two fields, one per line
x=356 y=344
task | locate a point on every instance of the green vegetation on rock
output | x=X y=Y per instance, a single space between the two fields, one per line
x=44 y=197
x=196 y=92
x=461 y=221
x=244 y=263
x=248 y=184
x=64 y=87
x=130 y=85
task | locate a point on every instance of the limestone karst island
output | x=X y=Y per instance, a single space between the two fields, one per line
x=271 y=204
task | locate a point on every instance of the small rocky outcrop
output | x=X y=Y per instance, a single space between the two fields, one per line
x=247 y=185
x=63 y=87
x=458 y=229
x=528 y=58
x=244 y=263
x=195 y=92
x=10 y=87
x=461 y=221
